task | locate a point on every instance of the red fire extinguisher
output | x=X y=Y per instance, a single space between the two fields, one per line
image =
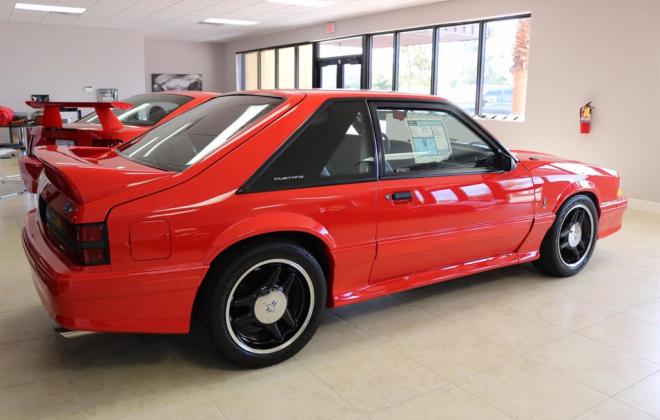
x=585 y=118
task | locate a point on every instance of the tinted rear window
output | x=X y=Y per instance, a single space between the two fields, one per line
x=194 y=135
x=147 y=109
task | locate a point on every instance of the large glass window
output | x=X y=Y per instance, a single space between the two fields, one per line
x=240 y=71
x=196 y=134
x=480 y=66
x=382 y=61
x=305 y=66
x=340 y=47
x=267 y=69
x=251 y=68
x=505 y=67
x=286 y=68
x=257 y=69
x=428 y=142
x=336 y=147
x=415 y=61
x=458 y=57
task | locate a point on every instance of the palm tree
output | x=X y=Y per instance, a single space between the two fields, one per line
x=520 y=63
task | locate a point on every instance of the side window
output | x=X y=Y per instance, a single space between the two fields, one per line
x=335 y=147
x=430 y=142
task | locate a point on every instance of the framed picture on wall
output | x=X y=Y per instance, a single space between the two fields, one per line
x=107 y=95
x=40 y=98
x=161 y=82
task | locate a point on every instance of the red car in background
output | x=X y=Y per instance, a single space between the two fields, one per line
x=257 y=209
x=111 y=124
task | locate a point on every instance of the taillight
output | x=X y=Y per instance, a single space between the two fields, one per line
x=89 y=233
x=84 y=244
x=106 y=143
x=92 y=246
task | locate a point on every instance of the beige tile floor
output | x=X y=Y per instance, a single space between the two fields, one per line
x=505 y=344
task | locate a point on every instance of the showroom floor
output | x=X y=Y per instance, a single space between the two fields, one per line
x=506 y=344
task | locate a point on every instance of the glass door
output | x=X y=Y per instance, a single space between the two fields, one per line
x=329 y=76
x=341 y=73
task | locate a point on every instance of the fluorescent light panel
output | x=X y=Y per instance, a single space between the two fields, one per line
x=304 y=3
x=49 y=8
x=222 y=21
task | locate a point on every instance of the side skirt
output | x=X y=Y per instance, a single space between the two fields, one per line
x=425 y=278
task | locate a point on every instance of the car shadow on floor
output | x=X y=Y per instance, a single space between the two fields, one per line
x=197 y=347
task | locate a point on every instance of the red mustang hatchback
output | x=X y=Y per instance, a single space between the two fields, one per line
x=257 y=209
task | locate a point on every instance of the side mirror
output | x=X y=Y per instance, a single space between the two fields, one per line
x=505 y=162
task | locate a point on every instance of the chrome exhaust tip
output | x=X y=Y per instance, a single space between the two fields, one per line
x=67 y=333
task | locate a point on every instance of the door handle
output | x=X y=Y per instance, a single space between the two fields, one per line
x=402 y=196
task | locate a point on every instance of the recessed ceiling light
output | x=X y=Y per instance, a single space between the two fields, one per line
x=49 y=8
x=304 y=3
x=221 y=21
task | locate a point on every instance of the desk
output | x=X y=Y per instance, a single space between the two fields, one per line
x=21 y=138
x=8 y=179
x=23 y=131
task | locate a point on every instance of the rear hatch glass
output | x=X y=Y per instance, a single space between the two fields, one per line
x=196 y=134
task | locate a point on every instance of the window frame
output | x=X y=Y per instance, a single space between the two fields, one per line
x=249 y=186
x=447 y=108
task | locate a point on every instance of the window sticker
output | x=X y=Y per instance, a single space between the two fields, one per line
x=428 y=138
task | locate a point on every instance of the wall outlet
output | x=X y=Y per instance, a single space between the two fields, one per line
x=89 y=89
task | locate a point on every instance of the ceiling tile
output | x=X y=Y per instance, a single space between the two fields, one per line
x=179 y=19
x=26 y=16
x=58 y=19
x=6 y=7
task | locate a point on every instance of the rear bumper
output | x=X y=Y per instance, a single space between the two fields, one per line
x=611 y=216
x=99 y=299
x=30 y=169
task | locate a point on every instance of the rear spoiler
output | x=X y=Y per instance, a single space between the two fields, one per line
x=76 y=173
x=108 y=120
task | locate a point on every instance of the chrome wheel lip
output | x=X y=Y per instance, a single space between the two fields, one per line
x=303 y=326
x=591 y=236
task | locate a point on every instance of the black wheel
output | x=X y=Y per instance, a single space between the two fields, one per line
x=568 y=245
x=266 y=302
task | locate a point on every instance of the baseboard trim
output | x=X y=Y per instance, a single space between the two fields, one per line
x=644 y=205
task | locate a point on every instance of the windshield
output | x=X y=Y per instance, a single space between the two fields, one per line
x=147 y=110
x=194 y=135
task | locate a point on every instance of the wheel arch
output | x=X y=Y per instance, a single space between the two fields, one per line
x=586 y=188
x=316 y=240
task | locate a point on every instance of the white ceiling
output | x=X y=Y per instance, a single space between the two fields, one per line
x=179 y=19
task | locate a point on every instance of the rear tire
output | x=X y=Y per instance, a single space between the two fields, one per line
x=266 y=302
x=570 y=242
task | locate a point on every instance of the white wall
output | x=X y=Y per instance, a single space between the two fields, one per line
x=603 y=51
x=204 y=58
x=61 y=60
x=597 y=50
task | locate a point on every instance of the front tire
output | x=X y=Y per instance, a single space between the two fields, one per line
x=570 y=242
x=266 y=302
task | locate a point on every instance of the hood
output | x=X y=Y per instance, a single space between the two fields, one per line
x=533 y=160
x=531 y=156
